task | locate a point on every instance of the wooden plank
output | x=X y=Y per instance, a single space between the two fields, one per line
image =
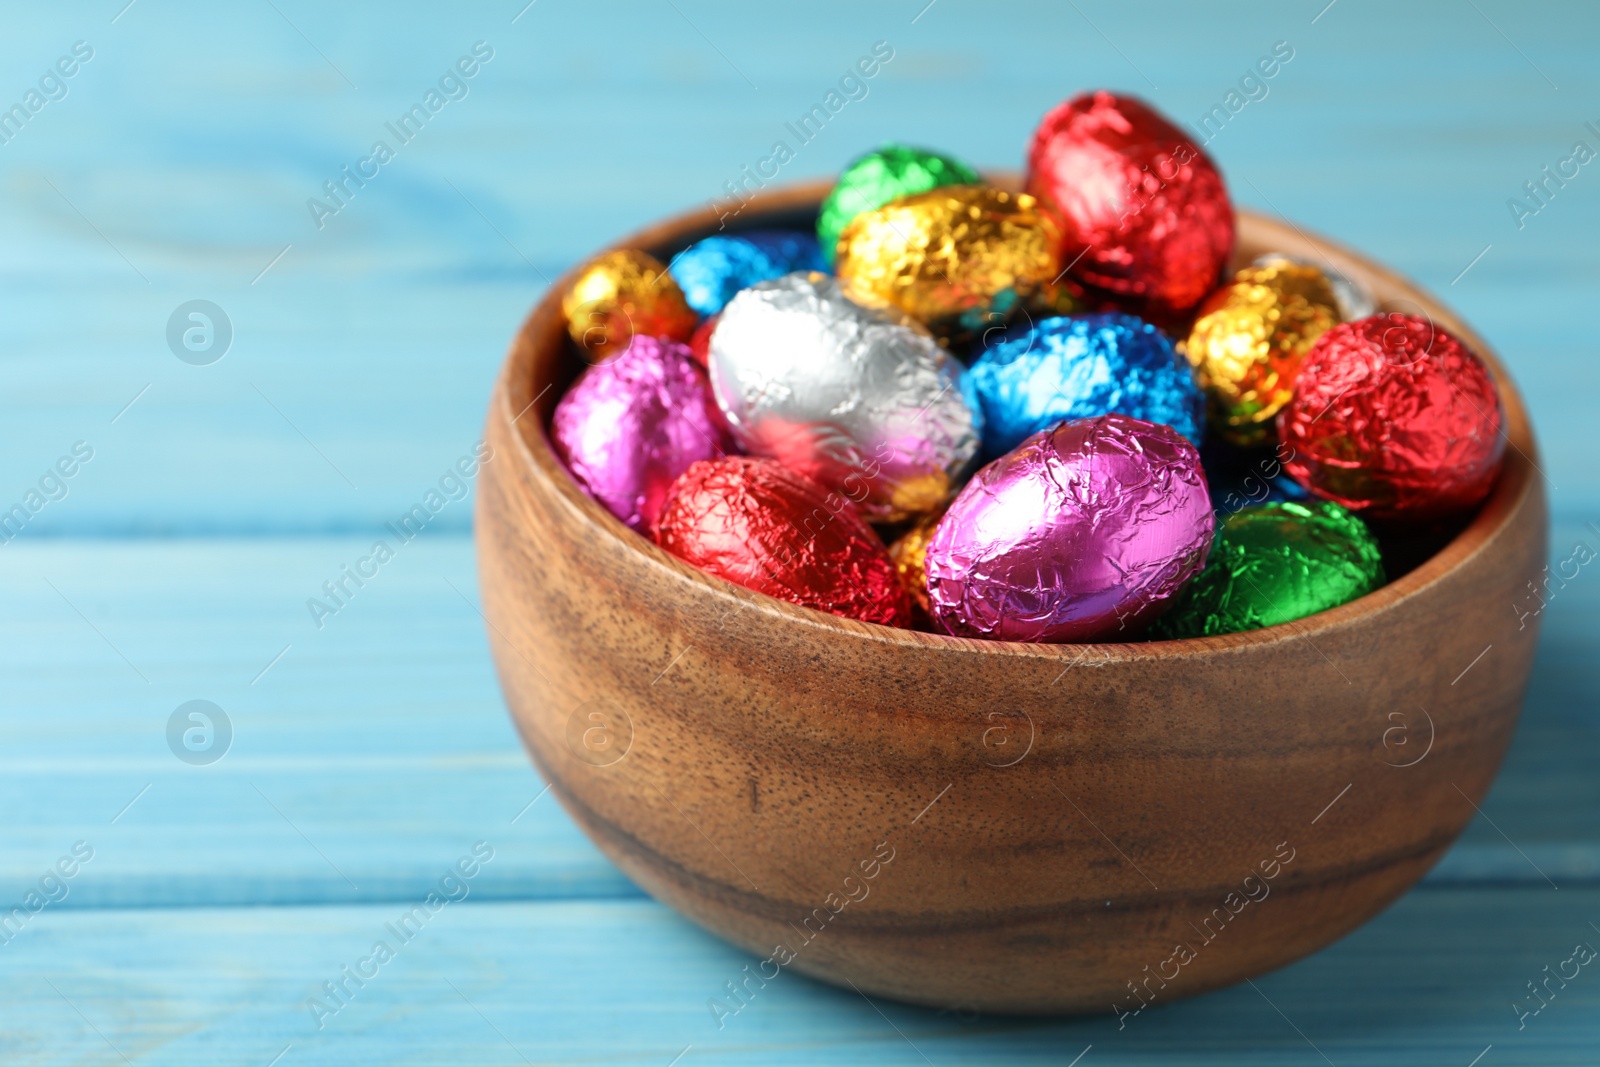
x=1431 y=982
x=377 y=745
x=368 y=752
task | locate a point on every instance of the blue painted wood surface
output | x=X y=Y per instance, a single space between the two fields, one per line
x=369 y=754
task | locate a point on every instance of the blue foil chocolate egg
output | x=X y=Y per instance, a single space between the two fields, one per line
x=1081 y=367
x=1239 y=477
x=710 y=271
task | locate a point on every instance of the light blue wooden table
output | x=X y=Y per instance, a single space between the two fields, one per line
x=368 y=755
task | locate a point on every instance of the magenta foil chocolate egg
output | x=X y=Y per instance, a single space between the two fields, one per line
x=861 y=400
x=1085 y=532
x=629 y=426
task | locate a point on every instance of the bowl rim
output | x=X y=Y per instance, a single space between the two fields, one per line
x=514 y=396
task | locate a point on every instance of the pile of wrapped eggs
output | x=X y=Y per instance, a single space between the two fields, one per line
x=1022 y=416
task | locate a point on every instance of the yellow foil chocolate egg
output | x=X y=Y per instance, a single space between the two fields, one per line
x=622 y=294
x=910 y=552
x=1248 y=341
x=956 y=258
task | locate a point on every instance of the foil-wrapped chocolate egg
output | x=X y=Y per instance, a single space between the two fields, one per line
x=880 y=176
x=1393 y=417
x=1355 y=300
x=1076 y=368
x=1145 y=214
x=629 y=426
x=710 y=271
x=1247 y=344
x=1274 y=563
x=621 y=295
x=957 y=259
x=861 y=400
x=758 y=524
x=1085 y=532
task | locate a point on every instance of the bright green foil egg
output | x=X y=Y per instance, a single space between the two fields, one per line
x=878 y=177
x=1274 y=563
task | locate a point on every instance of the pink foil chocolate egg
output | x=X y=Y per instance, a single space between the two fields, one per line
x=629 y=426
x=1085 y=532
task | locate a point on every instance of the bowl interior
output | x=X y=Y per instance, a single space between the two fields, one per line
x=543 y=363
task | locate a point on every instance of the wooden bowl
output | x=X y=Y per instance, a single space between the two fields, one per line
x=1002 y=827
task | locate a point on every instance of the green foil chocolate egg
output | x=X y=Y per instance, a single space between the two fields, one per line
x=878 y=177
x=1274 y=563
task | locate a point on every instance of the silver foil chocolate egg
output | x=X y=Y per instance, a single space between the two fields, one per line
x=862 y=400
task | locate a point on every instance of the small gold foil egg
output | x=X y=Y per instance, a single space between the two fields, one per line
x=622 y=294
x=957 y=259
x=910 y=553
x=1248 y=341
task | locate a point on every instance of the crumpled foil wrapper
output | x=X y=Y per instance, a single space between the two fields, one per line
x=712 y=270
x=758 y=524
x=960 y=260
x=1393 y=417
x=886 y=174
x=1084 y=533
x=621 y=295
x=628 y=427
x=1144 y=211
x=1274 y=563
x=1076 y=368
x=861 y=400
x=1249 y=340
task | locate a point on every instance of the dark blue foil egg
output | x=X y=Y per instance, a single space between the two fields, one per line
x=1080 y=367
x=710 y=271
x=1238 y=477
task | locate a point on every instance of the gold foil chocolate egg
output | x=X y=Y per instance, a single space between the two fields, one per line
x=1355 y=299
x=957 y=259
x=620 y=295
x=910 y=554
x=1248 y=341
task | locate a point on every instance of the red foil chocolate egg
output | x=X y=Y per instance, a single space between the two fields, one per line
x=1144 y=212
x=1393 y=417
x=756 y=523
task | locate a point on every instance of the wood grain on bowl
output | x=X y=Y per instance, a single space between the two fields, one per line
x=1005 y=827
